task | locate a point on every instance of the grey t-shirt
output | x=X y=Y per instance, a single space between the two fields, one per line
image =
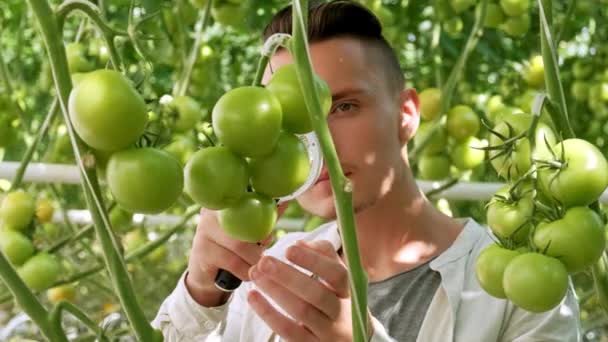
x=401 y=301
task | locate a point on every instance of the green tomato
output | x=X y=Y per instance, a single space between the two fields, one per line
x=534 y=73
x=285 y=87
x=145 y=180
x=430 y=103
x=189 y=113
x=516 y=26
x=17 y=210
x=433 y=167
x=490 y=268
x=510 y=217
x=133 y=240
x=462 y=122
x=283 y=171
x=216 y=178
x=16 y=247
x=251 y=219
x=515 y=8
x=494 y=16
x=494 y=106
x=460 y=6
x=577 y=239
x=120 y=219
x=453 y=26
x=437 y=142
x=248 y=121
x=467 y=155
x=535 y=282
x=77 y=62
x=61 y=293
x=40 y=271
x=582 y=179
x=106 y=110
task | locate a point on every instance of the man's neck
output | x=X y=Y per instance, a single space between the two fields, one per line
x=402 y=231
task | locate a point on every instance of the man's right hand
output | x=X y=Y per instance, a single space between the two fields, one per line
x=213 y=249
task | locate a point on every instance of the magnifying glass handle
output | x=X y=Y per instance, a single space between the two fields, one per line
x=226 y=281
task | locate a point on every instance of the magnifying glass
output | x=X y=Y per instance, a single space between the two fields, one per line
x=227 y=281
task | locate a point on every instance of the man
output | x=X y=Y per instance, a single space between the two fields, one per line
x=420 y=262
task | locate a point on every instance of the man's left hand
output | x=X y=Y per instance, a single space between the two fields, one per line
x=320 y=308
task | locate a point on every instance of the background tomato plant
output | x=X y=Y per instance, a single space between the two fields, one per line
x=501 y=76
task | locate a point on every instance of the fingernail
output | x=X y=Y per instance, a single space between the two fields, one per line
x=267 y=265
x=253 y=273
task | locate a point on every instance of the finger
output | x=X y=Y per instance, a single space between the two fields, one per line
x=248 y=251
x=330 y=269
x=283 y=326
x=221 y=257
x=310 y=290
x=282 y=207
x=299 y=309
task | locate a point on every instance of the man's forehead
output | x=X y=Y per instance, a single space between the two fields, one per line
x=333 y=59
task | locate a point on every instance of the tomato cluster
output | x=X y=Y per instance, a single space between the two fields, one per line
x=510 y=16
x=18 y=211
x=260 y=158
x=541 y=219
x=464 y=150
x=110 y=116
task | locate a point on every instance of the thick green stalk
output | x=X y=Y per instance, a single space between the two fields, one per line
x=56 y=314
x=28 y=302
x=447 y=91
x=53 y=42
x=341 y=186
x=29 y=153
x=554 y=86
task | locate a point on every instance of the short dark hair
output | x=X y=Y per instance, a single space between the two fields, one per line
x=342 y=18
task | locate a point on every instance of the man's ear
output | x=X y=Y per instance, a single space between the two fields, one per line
x=410 y=114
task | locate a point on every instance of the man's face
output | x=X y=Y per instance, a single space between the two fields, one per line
x=366 y=121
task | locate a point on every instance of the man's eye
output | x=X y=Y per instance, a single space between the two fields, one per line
x=343 y=107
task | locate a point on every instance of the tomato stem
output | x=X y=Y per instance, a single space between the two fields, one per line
x=184 y=82
x=29 y=153
x=554 y=86
x=94 y=13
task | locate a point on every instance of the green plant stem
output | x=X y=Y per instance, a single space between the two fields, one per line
x=341 y=186
x=448 y=184
x=437 y=54
x=600 y=280
x=95 y=14
x=56 y=314
x=259 y=73
x=29 y=153
x=564 y=24
x=28 y=302
x=9 y=90
x=476 y=32
x=554 y=86
x=53 y=42
x=184 y=83
x=447 y=91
